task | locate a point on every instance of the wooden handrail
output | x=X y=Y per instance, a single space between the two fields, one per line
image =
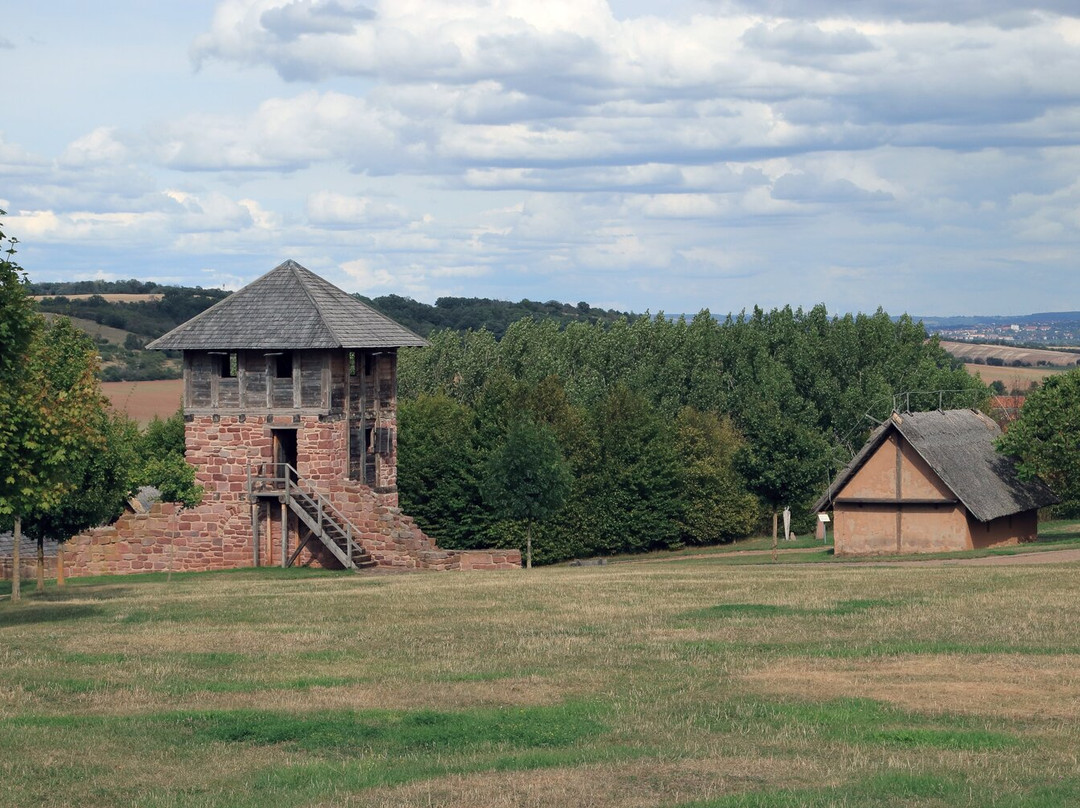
x=285 y=477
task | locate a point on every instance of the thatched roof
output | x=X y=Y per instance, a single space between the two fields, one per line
x=288 y=308
x=959 y=446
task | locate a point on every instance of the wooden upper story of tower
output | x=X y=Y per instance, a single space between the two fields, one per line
x=289 y=340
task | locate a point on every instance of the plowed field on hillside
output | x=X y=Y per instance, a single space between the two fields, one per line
x=971 y=352
x=143 y=400
x=109 y=298
x=1012 y=378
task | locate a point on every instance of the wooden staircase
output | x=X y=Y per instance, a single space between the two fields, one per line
x=322 y=520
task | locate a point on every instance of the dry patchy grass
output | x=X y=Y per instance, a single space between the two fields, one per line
x=675 y=683
x=977 y=684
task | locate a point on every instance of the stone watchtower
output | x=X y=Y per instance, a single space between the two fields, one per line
x=291 y=424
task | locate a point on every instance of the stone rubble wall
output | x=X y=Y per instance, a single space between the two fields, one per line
x=217 y=536
x=27 y=556
x=164 y=539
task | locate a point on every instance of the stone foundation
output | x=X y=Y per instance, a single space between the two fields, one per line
x=214 y=536
x=218 y=534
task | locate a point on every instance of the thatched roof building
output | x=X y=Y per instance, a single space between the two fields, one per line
x=932 y=481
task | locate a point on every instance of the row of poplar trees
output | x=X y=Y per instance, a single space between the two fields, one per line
x=654 y=432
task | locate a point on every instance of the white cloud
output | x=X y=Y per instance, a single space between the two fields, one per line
x=680 y=206
x=17 y=161
x=283 y=134
x=364 y=277
x=654 y=155
x=329 y=209
x=99 y=147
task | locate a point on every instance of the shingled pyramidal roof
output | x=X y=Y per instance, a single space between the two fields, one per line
x=959 y=446
x=288 y=308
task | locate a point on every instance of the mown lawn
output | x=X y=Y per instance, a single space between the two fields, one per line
x=688 y=682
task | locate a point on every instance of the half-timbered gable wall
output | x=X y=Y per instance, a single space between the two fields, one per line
x=932 y=482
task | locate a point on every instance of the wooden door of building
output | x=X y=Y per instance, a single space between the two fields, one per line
x=284 y=451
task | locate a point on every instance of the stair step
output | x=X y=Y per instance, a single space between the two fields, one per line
x=331 y=532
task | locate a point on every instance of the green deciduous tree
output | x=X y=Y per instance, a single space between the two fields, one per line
x=627 y=497
x=160 y=461
x=58 y=469
x=1046 y=437
x=101 y=480
x=526 y=478
x=718 y=508
x=18 y=320
x=48 y=411
x=440 y=471
x=797 y=385
x=784 y=461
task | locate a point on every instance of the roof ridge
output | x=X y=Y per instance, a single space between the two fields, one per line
x=941 y=473
x=293 y=267
x=207 y=312
x=357 y=301
x=324 y=316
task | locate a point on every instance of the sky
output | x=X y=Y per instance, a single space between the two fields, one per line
x=915 y=155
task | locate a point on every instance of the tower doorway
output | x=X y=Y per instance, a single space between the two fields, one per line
x=284 y=451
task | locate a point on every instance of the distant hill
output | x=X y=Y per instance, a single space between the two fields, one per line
x=122 y=316
x=1001 y=355
x=462 y=313
x=1049 y=318
x=165 y=307
x=1045 y=329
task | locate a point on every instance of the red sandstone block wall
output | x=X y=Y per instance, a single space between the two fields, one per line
x=490 y=559
x=217 y=534
x=28 y=565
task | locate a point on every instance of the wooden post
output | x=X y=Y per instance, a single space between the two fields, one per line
x=40 y=569
x=60 y=581
x=284 y=534
x=16 y=580
x=269 y=534
x=899 y=492
x=255 y=533
x=528 y=547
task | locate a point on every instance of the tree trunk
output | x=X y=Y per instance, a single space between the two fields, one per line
x=774 y=527
x=40 y=564
x=15 y=595
x=60 y=565
x=528 y=547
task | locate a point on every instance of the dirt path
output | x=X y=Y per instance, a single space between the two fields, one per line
x=1039 y=557
x=728 y=554
x=1035 y=557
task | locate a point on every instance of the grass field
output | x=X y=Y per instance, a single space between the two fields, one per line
x=114 y=335
x=684 y=682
